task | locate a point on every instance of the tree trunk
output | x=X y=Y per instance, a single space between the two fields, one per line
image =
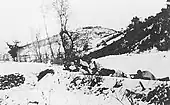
x=69 y=54
x=68 y=51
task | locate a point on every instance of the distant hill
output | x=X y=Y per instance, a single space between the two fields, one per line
x=139 y=36
x=94 y=37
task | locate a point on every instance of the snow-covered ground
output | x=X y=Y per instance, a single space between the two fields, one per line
x=158 y=63
x=52 y=90
x=23 y=67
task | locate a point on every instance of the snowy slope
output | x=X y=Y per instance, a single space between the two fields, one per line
x=140 y=36
x=54 y=89
x=96 y=36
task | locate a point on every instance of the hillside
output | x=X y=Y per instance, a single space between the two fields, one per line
x=94 y=37
x=140 y=36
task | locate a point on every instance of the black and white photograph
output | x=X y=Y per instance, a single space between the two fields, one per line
x=85 y=52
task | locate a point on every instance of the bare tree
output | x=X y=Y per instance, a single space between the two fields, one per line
x=38 y=46
x=62 y=7
x=35 y=49
x=36 y=43
x=46 y=29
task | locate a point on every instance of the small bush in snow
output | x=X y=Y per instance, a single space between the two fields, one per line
x=11 y=80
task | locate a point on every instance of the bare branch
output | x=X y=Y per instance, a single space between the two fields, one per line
x=61 y=7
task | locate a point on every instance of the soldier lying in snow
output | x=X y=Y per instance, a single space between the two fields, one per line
x=94 y=68
x=146 y=75
x=143 y=75
x=106 y=72
x=88 y=67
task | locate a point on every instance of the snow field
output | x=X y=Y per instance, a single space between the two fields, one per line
x=157 y=63
x=52 y=90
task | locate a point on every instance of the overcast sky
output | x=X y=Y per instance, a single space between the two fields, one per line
x=20 y=18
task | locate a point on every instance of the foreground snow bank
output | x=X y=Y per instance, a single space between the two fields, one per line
x=65 y=88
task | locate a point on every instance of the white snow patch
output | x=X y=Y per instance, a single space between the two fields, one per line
x=157 y=63
x=21 y=67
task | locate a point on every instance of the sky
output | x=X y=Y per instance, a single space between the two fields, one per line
x=21 y=19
